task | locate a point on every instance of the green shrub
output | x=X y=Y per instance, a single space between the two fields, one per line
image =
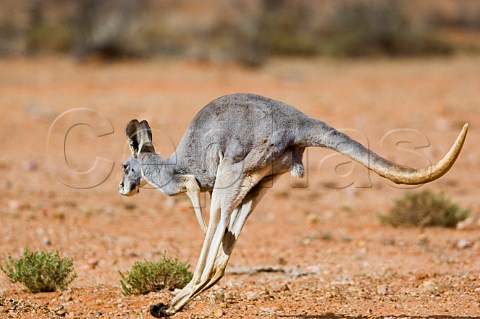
x=40 y=271
x=49 y=38
x=146 y=276
x=287 y=29
x=424 y=209
x=373 y=28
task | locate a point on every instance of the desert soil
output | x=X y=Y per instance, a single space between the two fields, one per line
x=314 y=248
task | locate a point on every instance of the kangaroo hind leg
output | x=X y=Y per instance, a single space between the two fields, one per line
x=231 y=187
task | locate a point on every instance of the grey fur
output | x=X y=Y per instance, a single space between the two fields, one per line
x=233 y=146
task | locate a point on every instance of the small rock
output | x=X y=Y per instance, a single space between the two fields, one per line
x=306 y=241
x=469 y=223
x=97 y=314
x=223 y=305
x=280 y=287
x=330 y=294
x=267 y=310
x=92 y=263
x=464 y=243
x=132 y=253
x=253 y=295
x=382 y=289
x=218 y=313
x=219 y=295
x=46 y=241
x=230 y=296
x=61 y=312
x=30 y=165
x=428 y=286
x=282 y=261
x=58 y=308
x=312 y=218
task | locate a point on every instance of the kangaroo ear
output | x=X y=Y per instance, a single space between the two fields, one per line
x=145 y=142
x=132 y=135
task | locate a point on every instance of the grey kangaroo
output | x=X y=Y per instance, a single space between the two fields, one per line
x=233 y=147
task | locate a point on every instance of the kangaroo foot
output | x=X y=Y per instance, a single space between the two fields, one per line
x=159 y=310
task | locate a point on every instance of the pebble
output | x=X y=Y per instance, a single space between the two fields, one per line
x=253 y=295
x=223 y=305
x=267 y=310
x=464 y=243
x=30 y=165
x=382 y=289
x=471 y=222
x=306 y=241
x=46 y=241
x=61 y=312
x=92 y=263
x=58 y=308
x=230 y=296
x=218 y=313
x=428 y=286
x=280 y=287
x=312 y=218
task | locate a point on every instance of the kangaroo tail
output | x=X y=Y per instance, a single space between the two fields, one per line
x=320 y=134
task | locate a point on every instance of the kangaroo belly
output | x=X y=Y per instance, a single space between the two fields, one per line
x=290 y=161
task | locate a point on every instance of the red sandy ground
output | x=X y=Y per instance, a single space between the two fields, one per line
x=338 y=259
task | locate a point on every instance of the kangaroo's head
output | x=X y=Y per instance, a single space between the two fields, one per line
x=132 y=179
x=139 y=137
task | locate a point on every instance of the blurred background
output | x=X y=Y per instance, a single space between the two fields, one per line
x=401 y=77
x=248 y=32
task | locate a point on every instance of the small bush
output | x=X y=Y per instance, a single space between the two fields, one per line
x=40 y=271
x=375 y=28
x=146 y=276
x=49 y=38
x=287 y=29
x=424 y=209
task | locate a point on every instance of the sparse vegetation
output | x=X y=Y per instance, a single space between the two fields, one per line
x=424 y=209
x=372 y=28
x=40 y=271
x=287 y=28
x=146 y=276
x=244 y=33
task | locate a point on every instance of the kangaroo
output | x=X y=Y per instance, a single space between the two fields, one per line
x=235 y=146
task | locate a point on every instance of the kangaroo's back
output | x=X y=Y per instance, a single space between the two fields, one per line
x=234 y=126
